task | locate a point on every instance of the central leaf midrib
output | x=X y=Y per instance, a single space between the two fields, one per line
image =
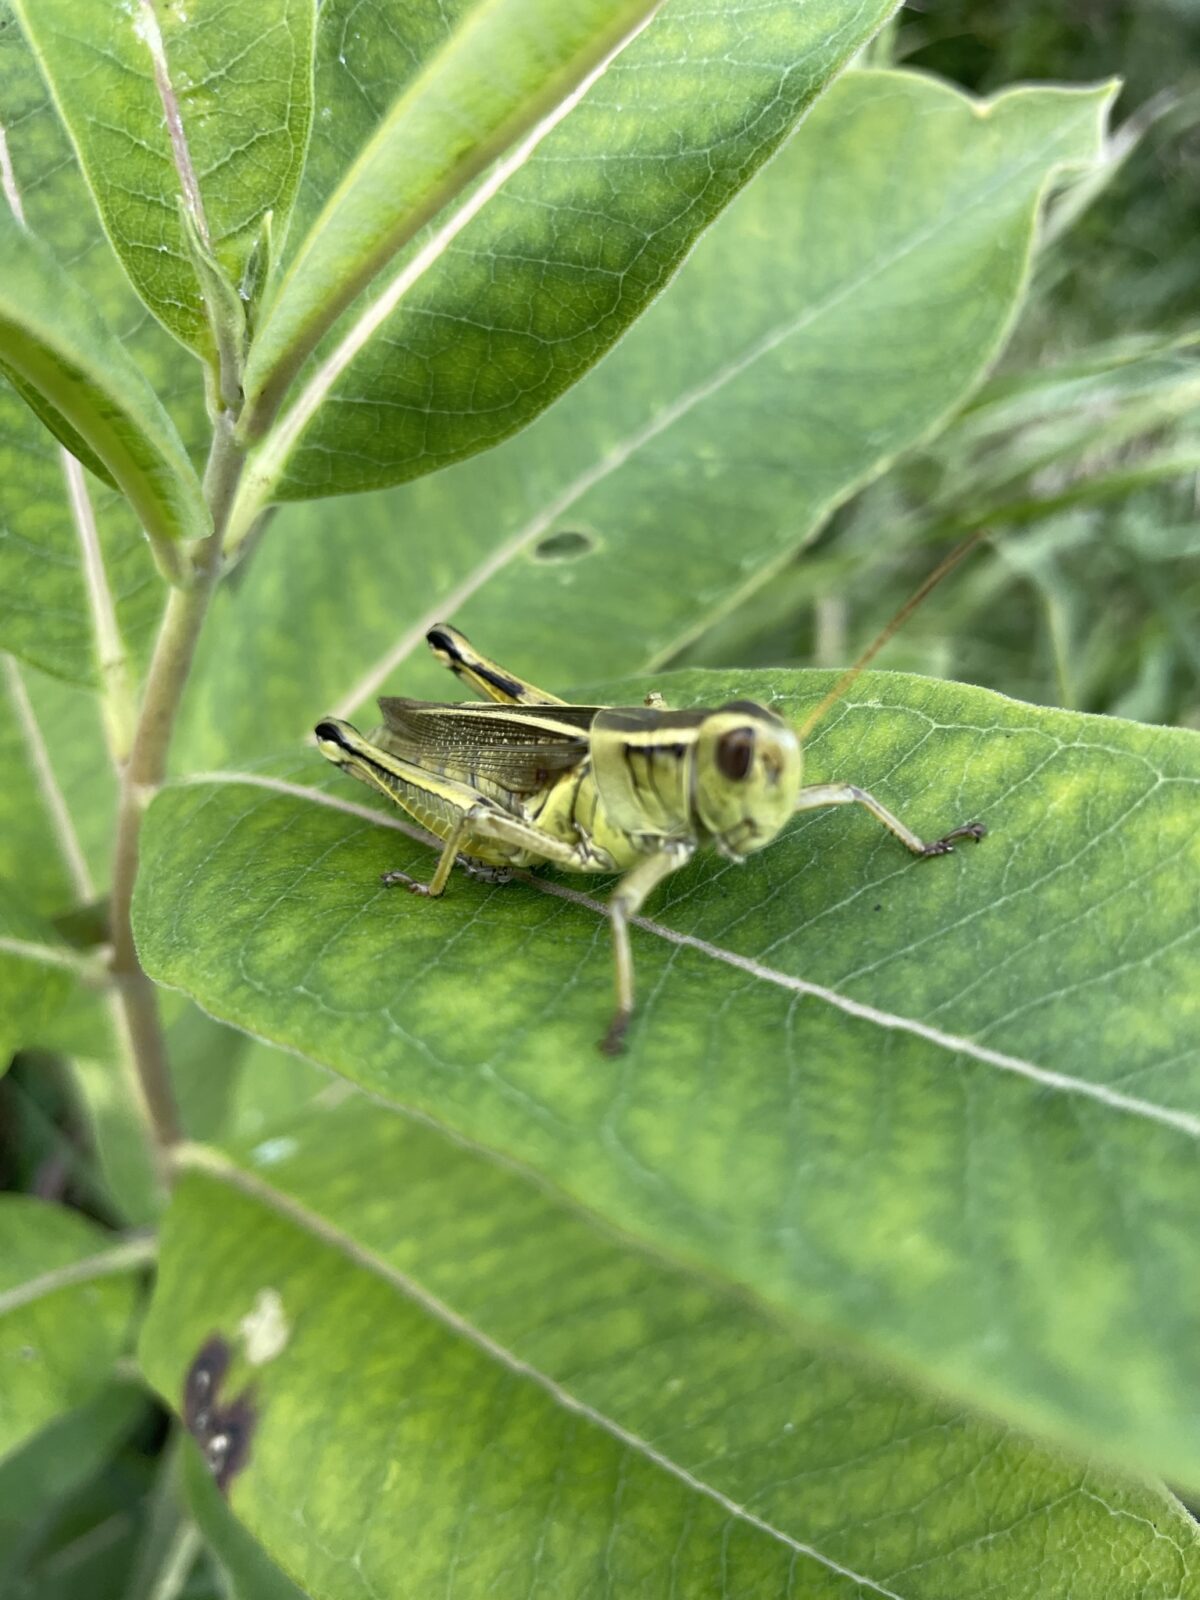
x=955 y=1044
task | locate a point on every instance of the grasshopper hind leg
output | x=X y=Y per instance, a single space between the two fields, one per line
x=485 y=676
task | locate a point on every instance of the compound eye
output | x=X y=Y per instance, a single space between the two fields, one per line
x=735 y=752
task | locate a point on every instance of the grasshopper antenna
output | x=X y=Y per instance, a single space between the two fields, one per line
x=942 y=570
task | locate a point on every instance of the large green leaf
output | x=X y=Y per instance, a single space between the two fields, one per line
x=511 y=63
x=848 y=304
x=55 y=348
x=45 y=615
x=238 y=84
x=438 y=1466
x=39 y=972
x=248 y=1572
x=66 y=1301
x=58 y=206
x=948 y=1110
x=851 y=1473
x=368 y=52
x=574 y=246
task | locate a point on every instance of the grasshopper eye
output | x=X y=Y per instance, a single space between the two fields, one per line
x=735 y=751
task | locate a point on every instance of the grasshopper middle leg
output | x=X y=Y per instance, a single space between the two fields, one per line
x=441 y=873
x=626 y=901
x=815 y=795
x=481 y=822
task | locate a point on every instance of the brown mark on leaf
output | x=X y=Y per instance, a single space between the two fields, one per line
x=202 y=1383
x=222 y=1429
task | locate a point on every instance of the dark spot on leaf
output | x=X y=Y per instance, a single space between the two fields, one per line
x=203 y=1381
x=223 y=1430
x=878 y=908
x=227 y=1446
x=568 y=544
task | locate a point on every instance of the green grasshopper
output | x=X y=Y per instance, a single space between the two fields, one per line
x=523 y=778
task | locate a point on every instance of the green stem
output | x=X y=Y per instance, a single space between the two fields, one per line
x=143 y=774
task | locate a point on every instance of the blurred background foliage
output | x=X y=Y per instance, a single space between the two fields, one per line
x=1080 y=454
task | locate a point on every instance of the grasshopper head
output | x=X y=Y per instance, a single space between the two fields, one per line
x=748 y=767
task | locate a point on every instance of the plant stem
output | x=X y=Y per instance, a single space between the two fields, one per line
x=143 y=774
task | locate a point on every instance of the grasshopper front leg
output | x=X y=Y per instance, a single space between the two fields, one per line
x=627 y=900
x=815 y=795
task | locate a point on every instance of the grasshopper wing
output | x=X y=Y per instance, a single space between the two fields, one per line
x=521 y=749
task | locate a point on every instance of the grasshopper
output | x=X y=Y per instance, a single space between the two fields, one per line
x=522 y=778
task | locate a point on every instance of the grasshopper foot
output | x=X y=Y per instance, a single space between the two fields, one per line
x=398 y=879
x=613 y=1042
x=484 y=871
x=944 y=845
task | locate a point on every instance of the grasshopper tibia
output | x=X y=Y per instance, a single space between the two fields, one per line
x=626 y=901
x=441 y=872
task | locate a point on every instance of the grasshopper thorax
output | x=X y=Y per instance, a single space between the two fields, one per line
x=747 y=773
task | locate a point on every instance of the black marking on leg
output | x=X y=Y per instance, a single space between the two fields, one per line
x=437 y=639
x=330 y=733
x=443 y=645
x=506 y=686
